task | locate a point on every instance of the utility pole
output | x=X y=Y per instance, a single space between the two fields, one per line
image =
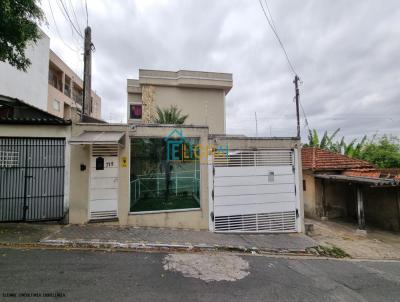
x=296 y=85
x=87 y=72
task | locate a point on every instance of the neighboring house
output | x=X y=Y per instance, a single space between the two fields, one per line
x=65 y=91
x=49 y=84
x=34 y=163
x=30 y=86
x=201 y=95
x=337 y=186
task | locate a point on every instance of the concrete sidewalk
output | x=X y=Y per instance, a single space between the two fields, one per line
x=376 y=244
x=106 y=236
x=26 y=233
x=131 y=237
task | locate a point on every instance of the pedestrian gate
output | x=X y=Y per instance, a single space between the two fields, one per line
x=31 y=179
x=255 y=191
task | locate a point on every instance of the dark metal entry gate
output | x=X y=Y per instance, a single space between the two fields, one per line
x=31 y=179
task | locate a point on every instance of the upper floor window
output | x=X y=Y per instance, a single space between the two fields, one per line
x=67 y=86
x=55 y=77
x=135 y=111
x=56 y=105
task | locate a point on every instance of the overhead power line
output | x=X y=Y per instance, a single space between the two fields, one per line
x=58 y=32
x=273 y=28
x=68 y=18
x=87 y=14
x=75 y=17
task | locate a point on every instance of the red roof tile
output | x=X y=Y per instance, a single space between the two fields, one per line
x=362 y=173
x=318 y=159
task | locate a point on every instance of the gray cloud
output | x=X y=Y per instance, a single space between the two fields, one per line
x=344 y=51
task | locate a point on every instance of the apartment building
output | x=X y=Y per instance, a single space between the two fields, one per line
x=29 y=86
x=200 y=95
x=48 y=84
x=65 y=91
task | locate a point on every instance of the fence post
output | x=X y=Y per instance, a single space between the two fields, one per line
x=158 y=186
x=176 y=185
x=139 y=188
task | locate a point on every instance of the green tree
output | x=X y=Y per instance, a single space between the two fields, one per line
x=19 y=21
x=326 y=141
x=385 y=153
x=171 y=115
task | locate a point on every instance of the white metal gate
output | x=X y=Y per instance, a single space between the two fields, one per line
x=255 y=191
x=104 y=182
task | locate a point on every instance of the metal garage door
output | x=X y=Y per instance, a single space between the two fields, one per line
x=31 y=179
x=255 y=191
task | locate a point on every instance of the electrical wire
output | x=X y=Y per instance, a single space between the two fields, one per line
x=68 y=18
x=276 y=35
x=76 y=19
x=87 y=14
x=58 y=32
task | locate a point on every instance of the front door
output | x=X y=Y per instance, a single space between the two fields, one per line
x=104 y=183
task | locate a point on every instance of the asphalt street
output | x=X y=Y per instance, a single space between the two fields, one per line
x=46 y=275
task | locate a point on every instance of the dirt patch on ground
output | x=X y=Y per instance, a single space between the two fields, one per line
x=208 y=267
x=376 y=244
x=26 y=232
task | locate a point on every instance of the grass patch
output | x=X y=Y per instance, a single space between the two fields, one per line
x=329 y=251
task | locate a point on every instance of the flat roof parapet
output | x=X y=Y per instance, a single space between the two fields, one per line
x=184 y=78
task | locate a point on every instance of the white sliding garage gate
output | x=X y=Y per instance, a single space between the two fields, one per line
x=255 y=191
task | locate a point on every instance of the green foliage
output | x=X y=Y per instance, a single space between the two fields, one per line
x=324 y=143
x=328 y=251
x=171 y=115
x=19 y=21
x=385 y=153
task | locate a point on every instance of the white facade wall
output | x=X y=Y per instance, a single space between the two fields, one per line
x=31 y=86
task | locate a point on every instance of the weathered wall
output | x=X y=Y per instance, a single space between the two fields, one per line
x=338 y=196
x=339 y=199
x=382 y=208
x=79 y=183
x=381 y=205
x=309 y=194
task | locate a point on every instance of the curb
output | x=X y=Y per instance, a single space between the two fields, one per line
x=81 y=243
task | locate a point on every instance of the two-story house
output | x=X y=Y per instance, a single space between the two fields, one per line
x=200 y=95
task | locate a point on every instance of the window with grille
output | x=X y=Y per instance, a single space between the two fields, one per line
x=9 y=159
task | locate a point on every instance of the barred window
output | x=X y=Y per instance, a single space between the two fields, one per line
x=9 y=159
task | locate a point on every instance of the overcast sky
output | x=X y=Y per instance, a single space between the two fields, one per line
x=345 y=52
